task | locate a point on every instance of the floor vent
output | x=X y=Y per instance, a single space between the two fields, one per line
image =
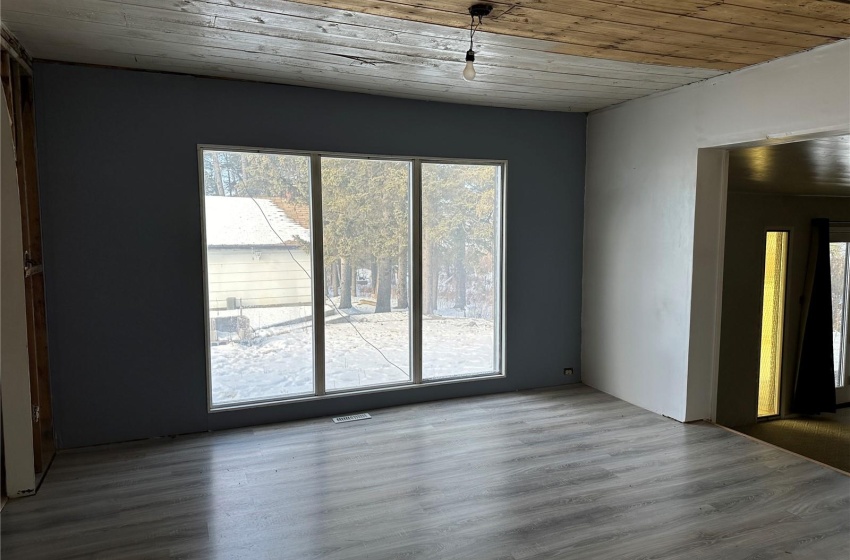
x=351 y=418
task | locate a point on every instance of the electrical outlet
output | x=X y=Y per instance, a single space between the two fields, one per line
x=568 y=371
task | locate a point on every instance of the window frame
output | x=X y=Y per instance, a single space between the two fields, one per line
x=318 y=276
x=840 y=233
x=784 y=323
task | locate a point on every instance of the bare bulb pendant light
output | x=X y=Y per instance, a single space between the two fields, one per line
x=469 y=69
x=475 y=11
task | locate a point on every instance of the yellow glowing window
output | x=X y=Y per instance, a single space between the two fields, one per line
x=772 y=320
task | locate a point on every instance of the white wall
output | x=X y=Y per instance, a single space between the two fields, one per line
x=640 y=211
x=14 y=359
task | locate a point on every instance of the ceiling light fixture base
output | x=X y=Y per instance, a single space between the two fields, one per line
x=480 y=10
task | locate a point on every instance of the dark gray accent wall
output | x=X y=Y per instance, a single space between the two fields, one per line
x=122 y=234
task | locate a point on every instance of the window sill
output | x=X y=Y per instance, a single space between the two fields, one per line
x=353 y=392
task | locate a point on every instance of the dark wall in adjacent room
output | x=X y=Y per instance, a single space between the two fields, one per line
x=748 y=217
x=122 y=234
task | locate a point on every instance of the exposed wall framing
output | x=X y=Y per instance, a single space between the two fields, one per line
x=15 y=50
x=17 y=80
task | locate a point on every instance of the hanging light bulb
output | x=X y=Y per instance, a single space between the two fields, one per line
x=475 y=11
x=469 y=69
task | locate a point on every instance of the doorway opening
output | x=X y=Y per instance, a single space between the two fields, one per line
x=779 y=201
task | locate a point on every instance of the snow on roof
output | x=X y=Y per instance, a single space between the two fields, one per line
x=235 y=221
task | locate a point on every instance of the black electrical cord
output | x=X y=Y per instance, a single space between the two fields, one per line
x=473 y=27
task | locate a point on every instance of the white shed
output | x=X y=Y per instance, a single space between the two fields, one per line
x=255 y=254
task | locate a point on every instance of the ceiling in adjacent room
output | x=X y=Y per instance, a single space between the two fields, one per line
x=810 y=167
x=567 y=55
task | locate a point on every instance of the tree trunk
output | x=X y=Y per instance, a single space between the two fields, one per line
x=219 y=184
x=460 y=273
x=345 y=293
x=244 y=173
x=335 y=278
x=383 y=303
x=374 y=280
x=402 y=301
x=429 y=277
x=231 y=184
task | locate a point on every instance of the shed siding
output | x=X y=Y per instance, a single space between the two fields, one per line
x=258 y=277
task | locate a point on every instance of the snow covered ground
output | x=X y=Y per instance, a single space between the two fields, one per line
x=361 y=349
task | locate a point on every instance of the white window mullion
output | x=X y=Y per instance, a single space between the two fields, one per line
x=416 y=272
x=318 y=274
x=845 y=355
x=499 y=276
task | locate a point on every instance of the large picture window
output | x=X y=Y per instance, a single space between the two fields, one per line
x=333 y=273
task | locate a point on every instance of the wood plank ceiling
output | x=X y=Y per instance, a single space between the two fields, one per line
x=565 y=55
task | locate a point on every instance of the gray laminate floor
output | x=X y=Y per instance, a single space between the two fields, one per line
x=569 y=473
